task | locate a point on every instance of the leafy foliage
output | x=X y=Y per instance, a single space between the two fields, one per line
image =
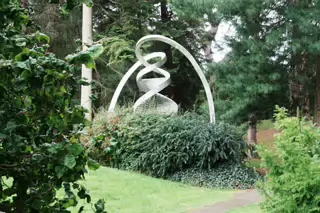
x=227 y=175
x=86 y=57
x=40 y=127
x=159 y=145
x=292 y=183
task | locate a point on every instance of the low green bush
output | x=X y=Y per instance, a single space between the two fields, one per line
x=226 y=175
x=159 y=145
x=293 y=181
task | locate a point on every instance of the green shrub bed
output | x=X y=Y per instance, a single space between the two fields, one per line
x=160 y=145
x=184 y=148
x=226 y=175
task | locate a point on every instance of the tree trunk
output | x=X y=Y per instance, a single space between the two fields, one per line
x=252 y=135
x=317 y=104
x=300 y=61
x=86 y=73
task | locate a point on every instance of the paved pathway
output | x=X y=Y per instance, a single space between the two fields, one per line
x=241 y=198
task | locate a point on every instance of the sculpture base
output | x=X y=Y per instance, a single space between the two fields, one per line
x=159 y=104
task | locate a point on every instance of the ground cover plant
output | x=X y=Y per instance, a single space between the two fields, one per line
x=227 y=175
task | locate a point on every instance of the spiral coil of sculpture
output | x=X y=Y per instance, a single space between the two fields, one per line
x=152 y=86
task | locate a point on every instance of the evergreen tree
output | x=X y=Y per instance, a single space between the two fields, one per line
x=273 y=60
x=63 y=29
x=254 y=78
x=123 y=23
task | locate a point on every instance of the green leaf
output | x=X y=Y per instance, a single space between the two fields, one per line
x=2 y=136
x=93 y=165
x=75 y=149
x=84 y=82
x=69 y=203
x=75 y=185
x=37 y=204
x=86 y=57
x=21 y=42
x=82 y=193
x=23 y=55
x=95 y=50
x=55 y=148
x=22 y=65
x=8 y=192
x=28 y=148
x=88 y=198
x=5 y=63
x=89 y=3
x=81 y=209
x=64 y=9
x=60 y=170
x=93 y=97
x=82 y=58
x=63 y=89
x=11 y=125
x=99 y=205
x=42 y=37
x=69 y=161
x=28 y=101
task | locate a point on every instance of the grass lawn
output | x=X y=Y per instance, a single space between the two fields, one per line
x=246 y=209
x=127 y=192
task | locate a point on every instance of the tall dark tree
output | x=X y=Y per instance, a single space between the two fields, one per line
x=254 y=78
x=63 y=29
x=124 y=23
x=273 y=60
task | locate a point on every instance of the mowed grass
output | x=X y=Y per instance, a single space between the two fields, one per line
x=246 y=209
x=127 y=192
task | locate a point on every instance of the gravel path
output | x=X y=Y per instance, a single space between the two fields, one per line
x=241 y=198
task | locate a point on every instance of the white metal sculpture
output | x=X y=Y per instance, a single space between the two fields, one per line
x=152 y=86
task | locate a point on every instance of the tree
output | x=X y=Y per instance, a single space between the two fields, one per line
x=40 y=150
x=273 y=59
x=123 y=23
x=254 y=77
x=62 y=28
x=197 y=9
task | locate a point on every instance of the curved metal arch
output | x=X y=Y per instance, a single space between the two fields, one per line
x=156 y=67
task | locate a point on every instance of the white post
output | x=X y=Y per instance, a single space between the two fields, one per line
x=86 y=92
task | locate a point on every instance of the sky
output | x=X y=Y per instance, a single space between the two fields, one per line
x=219 y=47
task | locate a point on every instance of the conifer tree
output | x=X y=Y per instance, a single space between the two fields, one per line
x=274 y=58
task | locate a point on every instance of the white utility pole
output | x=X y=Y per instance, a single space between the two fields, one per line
x=86 y=92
